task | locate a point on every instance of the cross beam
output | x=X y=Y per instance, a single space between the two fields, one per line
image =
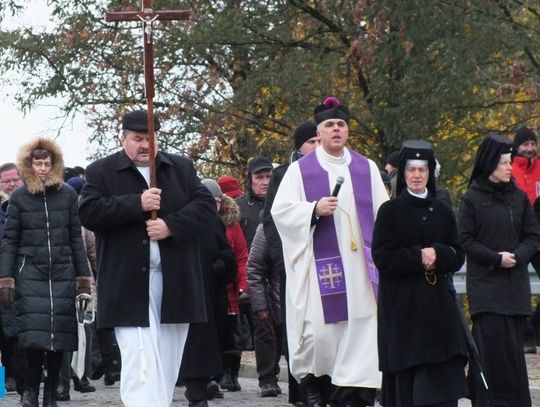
x=147 y=16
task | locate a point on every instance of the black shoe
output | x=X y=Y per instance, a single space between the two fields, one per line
x=313 y=397
x=268 y=390
x=83 y=385
x=201 y=403
x=530 y=348
x=30 y=398
x=212 y=390
x=98 y=372
x=63 y=395
x=11 y=385
x=111 y=378
x=226 y=382
x=278 y=389
x=237 y=386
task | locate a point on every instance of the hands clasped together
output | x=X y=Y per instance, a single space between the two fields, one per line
x=429 y=257
x=508 y=260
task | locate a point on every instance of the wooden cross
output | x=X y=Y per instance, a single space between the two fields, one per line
x=147 y=16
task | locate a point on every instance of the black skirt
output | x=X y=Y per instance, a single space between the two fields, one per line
x=500 y=342
x=438 y=384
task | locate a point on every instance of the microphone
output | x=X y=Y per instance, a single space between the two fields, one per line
x=339 y=182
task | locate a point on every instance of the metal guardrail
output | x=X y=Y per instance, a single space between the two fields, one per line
x=459 y=281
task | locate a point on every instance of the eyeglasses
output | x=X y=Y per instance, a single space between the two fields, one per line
x=10 y=181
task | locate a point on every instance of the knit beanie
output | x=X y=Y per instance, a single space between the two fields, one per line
x=303 y=133
x=523 y=135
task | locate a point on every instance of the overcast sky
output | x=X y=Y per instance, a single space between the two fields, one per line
x=18 y=128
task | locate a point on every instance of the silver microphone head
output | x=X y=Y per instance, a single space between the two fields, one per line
x=340 y=180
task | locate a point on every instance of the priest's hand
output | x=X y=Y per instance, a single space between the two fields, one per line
x=151 y=199
x=508 y=260
x=326 y=206
x=429 y=257
x=157 y=229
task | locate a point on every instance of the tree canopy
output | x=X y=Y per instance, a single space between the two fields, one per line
x=236 y=80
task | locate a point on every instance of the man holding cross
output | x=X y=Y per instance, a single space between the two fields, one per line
x=149 y=281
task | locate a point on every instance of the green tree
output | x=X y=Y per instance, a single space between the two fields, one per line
x=235 y=81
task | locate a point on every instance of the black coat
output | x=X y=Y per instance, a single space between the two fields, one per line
x=251 y=214
x=491 y=221
x=8 y=316
x=111 y=207
x=263 y=278
x=42 y=248
x=418 y=323
x=270 y=230
x=202 y=352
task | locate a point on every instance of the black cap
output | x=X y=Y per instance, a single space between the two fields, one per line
x=523 y=135
x=416 y=150
x=489 y=154
x=303 y=133
x=393 y=159
x=331 y=108
x=258 y=164
x=137 y=120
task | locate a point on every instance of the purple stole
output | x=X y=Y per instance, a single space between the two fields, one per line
x=328 y=263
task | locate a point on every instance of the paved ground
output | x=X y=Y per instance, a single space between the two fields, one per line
x=248 y=397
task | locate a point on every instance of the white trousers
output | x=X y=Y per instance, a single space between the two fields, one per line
x=151 y=356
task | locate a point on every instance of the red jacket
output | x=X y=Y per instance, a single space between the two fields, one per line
x=230 y=214
x=526 y=172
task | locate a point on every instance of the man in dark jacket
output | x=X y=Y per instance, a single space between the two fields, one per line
x=149 y=280
x=252 y=202
x=10 y=180
x=526 y=173
x=305 y=141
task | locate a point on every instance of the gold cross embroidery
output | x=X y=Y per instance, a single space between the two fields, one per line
x=332 y=274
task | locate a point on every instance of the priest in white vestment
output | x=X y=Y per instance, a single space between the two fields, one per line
x=331 y=306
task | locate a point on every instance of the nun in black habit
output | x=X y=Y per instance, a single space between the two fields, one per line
x=500 y=233
x=421 y=342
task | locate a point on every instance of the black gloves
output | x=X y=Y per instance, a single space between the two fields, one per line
x=7 y=296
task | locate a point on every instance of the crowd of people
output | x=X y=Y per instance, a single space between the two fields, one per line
x=344 y=269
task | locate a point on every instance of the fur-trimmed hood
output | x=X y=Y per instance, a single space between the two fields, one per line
x=229 y=211
x=29 y=176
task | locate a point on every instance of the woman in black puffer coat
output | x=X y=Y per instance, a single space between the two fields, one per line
x=499 y=233
x=42 y=259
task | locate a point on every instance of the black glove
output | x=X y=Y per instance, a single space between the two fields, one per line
x=6 y=296
x=84 y=290
x=218 y=267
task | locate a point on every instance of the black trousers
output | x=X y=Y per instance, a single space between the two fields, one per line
x=7 y=348
x=268 y=348
x=35 y=359
x=500 y=342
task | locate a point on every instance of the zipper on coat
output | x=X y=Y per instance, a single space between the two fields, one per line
x=22 y=264
x=50 y=269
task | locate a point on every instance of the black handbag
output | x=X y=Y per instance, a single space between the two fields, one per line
x=242 y=339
